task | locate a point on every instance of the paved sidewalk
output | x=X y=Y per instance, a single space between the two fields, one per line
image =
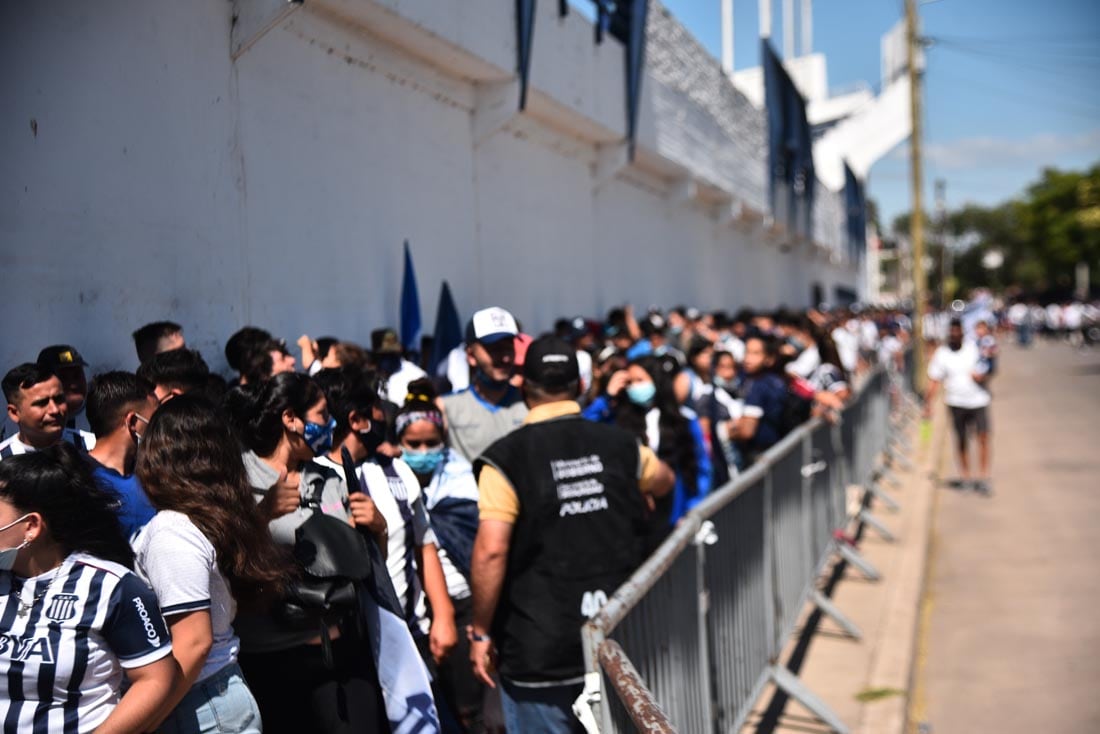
x=1012 y=639
x=866 y=682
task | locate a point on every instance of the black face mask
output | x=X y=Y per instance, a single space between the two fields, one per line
x=373 y=437
x=489 y=383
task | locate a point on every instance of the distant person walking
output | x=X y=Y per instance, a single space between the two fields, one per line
x=959 y=368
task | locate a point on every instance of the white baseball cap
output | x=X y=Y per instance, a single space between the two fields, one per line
x=491 y=325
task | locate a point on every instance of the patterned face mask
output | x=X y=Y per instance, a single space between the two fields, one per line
x=319 y=435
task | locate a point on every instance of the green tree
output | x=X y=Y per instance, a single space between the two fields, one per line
x=1042 y=235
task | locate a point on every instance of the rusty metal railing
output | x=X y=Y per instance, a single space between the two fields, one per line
x=691 y=639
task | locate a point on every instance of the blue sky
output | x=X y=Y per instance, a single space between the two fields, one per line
x=1013 y=87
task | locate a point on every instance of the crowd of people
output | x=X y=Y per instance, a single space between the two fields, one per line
x=346 y=539
x=1077 y=322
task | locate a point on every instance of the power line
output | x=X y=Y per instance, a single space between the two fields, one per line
x=1056 y=59
x=1031 y=101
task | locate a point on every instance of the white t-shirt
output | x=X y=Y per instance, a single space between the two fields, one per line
x=397 y=387
x=455 y=368
x=1072 y=316
x=805 y=363
x=584 y=366
x=733 y=345
x=1017 y=314
x=888 y=350
x=868 y=334
x=847 y=347
x=955 y=369
x=181 y=565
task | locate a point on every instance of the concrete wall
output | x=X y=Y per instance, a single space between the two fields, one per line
x=148 y=175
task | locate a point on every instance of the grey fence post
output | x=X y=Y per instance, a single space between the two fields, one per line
x=706 y=536
x=769 y=575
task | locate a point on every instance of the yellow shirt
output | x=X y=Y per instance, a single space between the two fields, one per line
x=498 y=499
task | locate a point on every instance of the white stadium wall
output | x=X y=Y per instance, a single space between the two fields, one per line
x=147 y=174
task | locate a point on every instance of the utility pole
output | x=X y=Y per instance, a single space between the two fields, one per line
x=947 y=292
x=916 y=220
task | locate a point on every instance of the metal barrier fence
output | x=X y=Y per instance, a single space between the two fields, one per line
x=689 y=642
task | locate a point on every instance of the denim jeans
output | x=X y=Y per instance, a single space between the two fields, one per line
x=546 y=710
x=221 y=704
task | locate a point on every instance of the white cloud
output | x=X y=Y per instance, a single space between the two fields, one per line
x=991 y=151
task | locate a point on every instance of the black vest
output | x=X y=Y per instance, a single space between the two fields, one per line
x=579 y=535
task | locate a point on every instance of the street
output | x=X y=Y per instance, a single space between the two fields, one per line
x=1011 y=641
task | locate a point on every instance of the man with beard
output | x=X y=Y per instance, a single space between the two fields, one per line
x=958 y=367
x=491 y=407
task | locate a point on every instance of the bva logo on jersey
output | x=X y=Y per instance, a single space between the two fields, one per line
x=24 y=648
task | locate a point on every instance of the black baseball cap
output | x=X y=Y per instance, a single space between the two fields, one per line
x=551 y=363
x=385 y=341
x=60 y=356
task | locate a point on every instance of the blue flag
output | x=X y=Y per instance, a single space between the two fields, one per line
x=448 y=329
x=856 y=205
x=790 y=145
x=525 y=31
x=410 y=306
x=635 y=62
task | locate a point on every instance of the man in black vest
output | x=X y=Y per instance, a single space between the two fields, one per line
x=563 y=522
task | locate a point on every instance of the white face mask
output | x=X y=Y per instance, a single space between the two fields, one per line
x=7 y=555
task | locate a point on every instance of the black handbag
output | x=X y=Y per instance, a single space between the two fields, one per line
x=335 y=562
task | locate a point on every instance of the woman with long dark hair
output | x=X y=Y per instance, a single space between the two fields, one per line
x=283 y=424
x=642 y=399
x=77 y=618
x=206 y=551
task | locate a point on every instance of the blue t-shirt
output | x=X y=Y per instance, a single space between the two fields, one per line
x=764 y=398
x=135 y=510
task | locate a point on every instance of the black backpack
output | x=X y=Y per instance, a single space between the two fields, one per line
x=796 y=411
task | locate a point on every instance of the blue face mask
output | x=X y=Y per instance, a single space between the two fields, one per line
x=423 y=462
x=319 y=435
x=641 y=393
